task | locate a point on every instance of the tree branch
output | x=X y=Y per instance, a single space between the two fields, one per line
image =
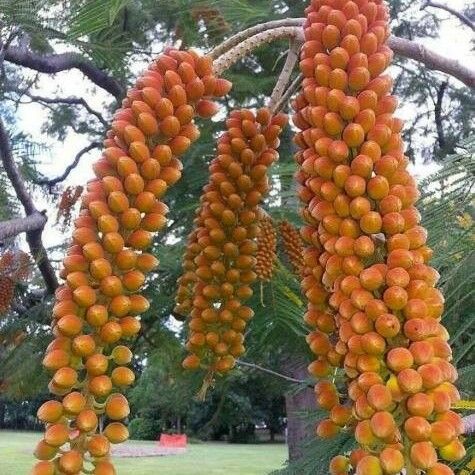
x=78 y=101
x=54 y=181
x=54 y=63
x=33 y=237
x=269 y=371
x=463 y=18
x=13 y=227
x=248 y=40
x=286 y=74
x=432 y=60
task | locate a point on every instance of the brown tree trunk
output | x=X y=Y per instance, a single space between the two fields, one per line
x=296 y=403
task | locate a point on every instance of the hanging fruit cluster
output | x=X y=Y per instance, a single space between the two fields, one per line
x=14 y=268
x=293 y=246
x=266 y=255
x=221 y=256
x=69 y=198
x=183 y=297
x=106 y=266
x=372 y=298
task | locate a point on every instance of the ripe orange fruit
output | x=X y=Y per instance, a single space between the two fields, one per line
x=50 y=411
x=98 y=446
x=117 y=407
x=96 y=364
x=56 y=435
x=423 y=455
x=43 y=468
x=100 y=386
x=116 y=432
x=71 y=462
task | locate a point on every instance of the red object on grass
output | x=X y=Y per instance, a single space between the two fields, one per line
x=174 y=440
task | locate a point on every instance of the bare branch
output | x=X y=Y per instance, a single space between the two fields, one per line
x=13 y=227
x=249 y=40
x=54 y=181
x=432 y=60
x=463 y=18
x=78 y=101
x=286 y=74
x=230 y=58
x=33 y=237
x=269 y=371
x=54 y=63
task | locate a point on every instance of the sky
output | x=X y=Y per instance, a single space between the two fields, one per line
x=454 y=42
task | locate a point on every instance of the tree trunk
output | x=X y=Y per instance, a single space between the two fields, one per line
x=298 y=429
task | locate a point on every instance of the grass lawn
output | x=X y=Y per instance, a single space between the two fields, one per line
x=201 y=459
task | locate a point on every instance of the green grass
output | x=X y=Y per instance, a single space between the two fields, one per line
x=200 y=459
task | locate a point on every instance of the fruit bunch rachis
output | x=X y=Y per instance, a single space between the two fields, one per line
x=372 y=298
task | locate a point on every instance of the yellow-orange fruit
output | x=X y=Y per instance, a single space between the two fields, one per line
x=122 y=376
x=98 y=445
x=121 y=355
x=369 y=465
x=423 y=455
x=50 y=411
x=100 y=386
x=74 y=402
x=453 y=452
x=56 y=435
x=104 y=468
x=43 y=468
x=116 y=432
x=97 y=364
x=392 y=461
x=43 y=451
x=117 y=407
x=86 y=420
x=71 y=462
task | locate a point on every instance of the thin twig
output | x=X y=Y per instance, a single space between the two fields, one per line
x=269 y=371
x=54 y=181
x=463 y=18
x=79 y=101
x=33 y=238
x=286 y=74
